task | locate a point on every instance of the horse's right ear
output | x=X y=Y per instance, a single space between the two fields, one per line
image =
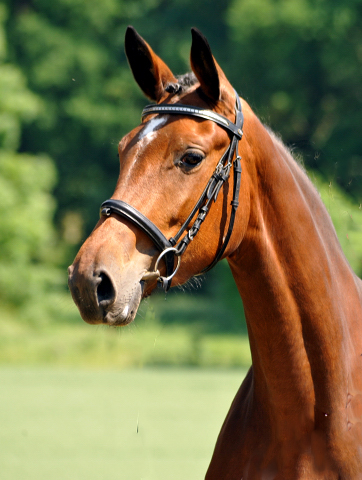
x=213 y=81
x=204 y=65
x=149 y=71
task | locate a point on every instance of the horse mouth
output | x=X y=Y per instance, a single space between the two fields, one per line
x=103 y=299
x=121 y=317
x=125 y=308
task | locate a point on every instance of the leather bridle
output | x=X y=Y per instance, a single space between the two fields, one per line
x=176 y=246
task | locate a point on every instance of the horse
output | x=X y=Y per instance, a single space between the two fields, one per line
x=176 y=211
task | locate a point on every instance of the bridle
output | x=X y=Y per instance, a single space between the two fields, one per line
x=172 y=247
x=176 y=246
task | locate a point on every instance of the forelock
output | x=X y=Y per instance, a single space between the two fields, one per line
x=187 y=80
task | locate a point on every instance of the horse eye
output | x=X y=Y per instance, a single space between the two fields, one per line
x=191 y=159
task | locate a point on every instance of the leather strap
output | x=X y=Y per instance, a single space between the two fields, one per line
x=236 y=189
x=177 y=108
x=131 y=214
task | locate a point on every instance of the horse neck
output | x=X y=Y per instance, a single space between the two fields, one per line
x=293 y=279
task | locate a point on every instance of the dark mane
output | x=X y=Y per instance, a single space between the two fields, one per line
x=184 y=82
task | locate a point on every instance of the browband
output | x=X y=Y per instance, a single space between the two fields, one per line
x=178 y=108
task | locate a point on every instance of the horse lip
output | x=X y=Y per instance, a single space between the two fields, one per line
x=121 y=314
x=120 y=320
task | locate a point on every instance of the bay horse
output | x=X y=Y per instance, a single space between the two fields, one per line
x=176 y=211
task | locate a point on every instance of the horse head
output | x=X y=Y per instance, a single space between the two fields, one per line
x=165 y=166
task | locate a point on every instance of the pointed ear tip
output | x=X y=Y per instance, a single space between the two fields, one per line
x=199 y=37
x=131 y=32
x=195 y=32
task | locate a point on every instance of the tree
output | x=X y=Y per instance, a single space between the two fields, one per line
x=72 y=54
x=300 y=64
x=27 y=240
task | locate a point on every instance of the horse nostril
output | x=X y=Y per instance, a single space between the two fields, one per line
x=106 y=293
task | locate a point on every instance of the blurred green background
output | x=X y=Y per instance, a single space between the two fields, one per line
x=67 y=97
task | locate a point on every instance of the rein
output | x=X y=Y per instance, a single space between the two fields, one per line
x=176 y=246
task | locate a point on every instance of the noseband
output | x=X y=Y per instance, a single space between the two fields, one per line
x=176 y=246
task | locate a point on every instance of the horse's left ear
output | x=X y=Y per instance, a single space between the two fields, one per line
x=211 y=77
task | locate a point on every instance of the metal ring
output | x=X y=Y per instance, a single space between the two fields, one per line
x=169 y=249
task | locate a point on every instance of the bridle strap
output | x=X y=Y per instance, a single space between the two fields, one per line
x=179 y=109
x=236 y=188
x=131 y=214
x=175 y=246
x=210 y=192
x=137 y=218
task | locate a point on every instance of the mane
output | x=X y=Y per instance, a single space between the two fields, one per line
x=184 y=82
x=187 y=80
x=297 y=157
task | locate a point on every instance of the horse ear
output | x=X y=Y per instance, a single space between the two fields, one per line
x=204 y=65
x=212 y=79
x=149 y=71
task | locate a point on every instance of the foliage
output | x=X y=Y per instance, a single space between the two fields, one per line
x=67 y=97
x=347 y=219
x=299 y=62
x=27 y=235
x=72 y=54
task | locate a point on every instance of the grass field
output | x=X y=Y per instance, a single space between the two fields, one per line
x=133 y=424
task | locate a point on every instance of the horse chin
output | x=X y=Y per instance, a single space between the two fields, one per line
x=124 y=310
